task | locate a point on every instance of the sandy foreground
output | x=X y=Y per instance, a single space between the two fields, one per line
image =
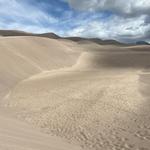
x=94 y=96
x=15 y=135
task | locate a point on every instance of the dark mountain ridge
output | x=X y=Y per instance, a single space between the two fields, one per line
x=75 y=39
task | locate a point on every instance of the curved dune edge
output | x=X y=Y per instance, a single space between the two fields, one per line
x=98 y=102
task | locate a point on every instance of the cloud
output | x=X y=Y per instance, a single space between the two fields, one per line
x=128 y=8
x=126 y=21
x=125 y=30
x=129 y=21
x=147 y=19
x=15 y=14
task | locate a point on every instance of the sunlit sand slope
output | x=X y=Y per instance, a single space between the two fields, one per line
x=21 y=57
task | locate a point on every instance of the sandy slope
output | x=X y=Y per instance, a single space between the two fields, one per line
x=19 y=59
x=101 y=102
x=15 y=135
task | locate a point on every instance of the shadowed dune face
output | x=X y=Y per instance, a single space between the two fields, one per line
x=144 y=89
x=122 y=60
x=133 y=60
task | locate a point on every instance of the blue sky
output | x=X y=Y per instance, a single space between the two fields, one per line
x=106 y=19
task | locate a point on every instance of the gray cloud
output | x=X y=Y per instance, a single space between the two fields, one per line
x=129 y=8
x=130 y=21
x=147 y=20
x=116 y=27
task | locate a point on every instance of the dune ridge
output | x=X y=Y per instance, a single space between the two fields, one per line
x=87 y=93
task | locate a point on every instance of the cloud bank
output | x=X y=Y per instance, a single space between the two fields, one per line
x=130 y=20
x=128 y=8
x=126 y=21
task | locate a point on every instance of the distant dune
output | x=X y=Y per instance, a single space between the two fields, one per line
x=91 y=94
x=54 y=36
x=14 y=33
x=76 y=39
x=21 y=33
x=142 y=43
x=96 y=40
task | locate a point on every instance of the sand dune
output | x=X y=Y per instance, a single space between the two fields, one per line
x=22 y=57
x=93 y=95
x=95 y=40
x=19 y=59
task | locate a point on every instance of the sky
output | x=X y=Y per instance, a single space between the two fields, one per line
x=122 y=20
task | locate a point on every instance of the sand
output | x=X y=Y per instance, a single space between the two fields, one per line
x=94 y=96
x=15 y=135
x=21 y=57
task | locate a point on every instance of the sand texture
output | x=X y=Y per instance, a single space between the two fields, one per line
x=92 y=95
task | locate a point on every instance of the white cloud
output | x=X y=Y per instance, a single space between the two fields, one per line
x=16 y=14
